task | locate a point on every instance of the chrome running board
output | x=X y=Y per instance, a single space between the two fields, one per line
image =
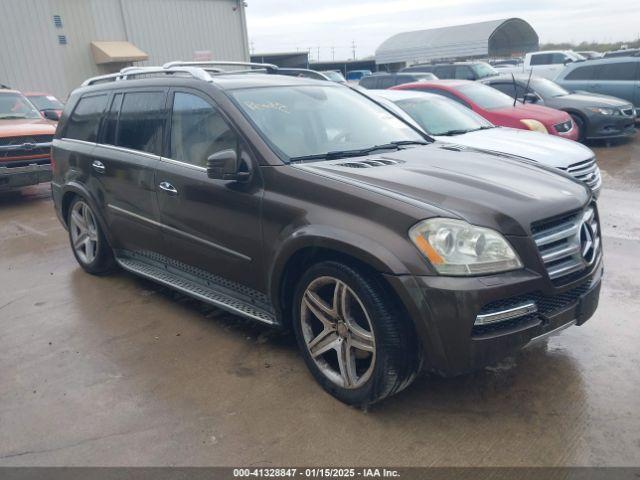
x=208 y=294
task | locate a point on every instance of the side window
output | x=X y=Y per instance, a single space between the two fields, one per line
x=618 y=71
x=368 y=82
x=445 y=72
x=509 y=89
x=386 y=81
x=198 y=130
x=141 y=121
x=464 y=72
x=582 y=73
x=111 y=120
x=85 y=119
x=558 y=58
x=541 y=59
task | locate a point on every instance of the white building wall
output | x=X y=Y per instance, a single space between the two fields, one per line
x=32 y=59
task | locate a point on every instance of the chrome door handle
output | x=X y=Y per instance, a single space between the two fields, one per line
x=167 y=187
x=98 y=166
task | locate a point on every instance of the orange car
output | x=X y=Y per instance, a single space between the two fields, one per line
x=25 y=142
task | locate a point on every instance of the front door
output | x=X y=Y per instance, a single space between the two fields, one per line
x=213 y=225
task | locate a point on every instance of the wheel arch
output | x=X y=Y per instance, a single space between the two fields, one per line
x=74 y=189
x=313 y=245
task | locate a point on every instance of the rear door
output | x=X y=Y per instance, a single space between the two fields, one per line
x=213 y=225
x=124 y=164
x=619 y=79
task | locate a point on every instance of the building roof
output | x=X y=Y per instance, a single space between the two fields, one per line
x=485 y=39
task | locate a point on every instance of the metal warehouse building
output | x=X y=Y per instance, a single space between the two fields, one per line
x=496 y=38
x=53 y=45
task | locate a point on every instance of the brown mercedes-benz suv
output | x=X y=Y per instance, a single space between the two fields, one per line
x=301 y=204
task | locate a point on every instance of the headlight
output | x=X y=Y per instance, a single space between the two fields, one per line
x=455 y=247
x=534 y=125
x=603 y=111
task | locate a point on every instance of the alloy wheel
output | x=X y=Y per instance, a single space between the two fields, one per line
x=84 y=232
x=338 y=332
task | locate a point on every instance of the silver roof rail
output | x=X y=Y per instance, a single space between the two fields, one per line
x=266 y=66
x=131 y=72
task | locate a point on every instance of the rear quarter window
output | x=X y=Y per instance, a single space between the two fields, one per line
x=84 y=122
x=619 y=71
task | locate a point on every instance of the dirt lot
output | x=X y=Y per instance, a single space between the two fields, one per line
x=118 y=371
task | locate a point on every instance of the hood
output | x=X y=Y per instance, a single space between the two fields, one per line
x=499 y=192
x=27 y=126
x=546 y=115
x=549 y=150
x=585 y=100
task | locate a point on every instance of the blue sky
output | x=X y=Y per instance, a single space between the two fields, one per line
x=287 y=25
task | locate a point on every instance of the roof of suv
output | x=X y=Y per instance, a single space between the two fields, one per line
x=224 y=82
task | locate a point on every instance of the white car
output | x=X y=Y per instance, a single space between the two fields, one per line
x=546 y=63
x=447 y=121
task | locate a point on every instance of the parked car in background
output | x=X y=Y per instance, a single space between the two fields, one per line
x=392 y=79
x=334 y=76
x=547 y=63
x=617 y=76
x=357 y=75
x=500 y=109
x=458 y=70
x=25 y=142
x=590 y=54
x=304 y=205
x=627 y=52
x=596 y=116
x=448 y=121
x=50 y=107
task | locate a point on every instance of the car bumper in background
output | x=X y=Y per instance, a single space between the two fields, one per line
x=602 y=126
x=446 y=312
x=17 y=177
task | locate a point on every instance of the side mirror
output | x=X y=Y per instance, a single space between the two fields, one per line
x=51 y=115
x=530 y=98
x=567 y=61
x=224 y=165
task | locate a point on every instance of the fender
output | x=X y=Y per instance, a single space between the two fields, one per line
x=79 y=189
x=362 y=248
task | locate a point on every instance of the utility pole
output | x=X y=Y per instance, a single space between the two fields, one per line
x=253 y=47
x=353 y=48
x=318 y=59
x=333 y=54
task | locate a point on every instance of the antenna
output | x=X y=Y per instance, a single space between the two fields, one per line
x=515 y=89
x=527 y=89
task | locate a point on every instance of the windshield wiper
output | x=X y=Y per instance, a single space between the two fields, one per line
x=450 y=133
x=361 y=152
x=12 y=117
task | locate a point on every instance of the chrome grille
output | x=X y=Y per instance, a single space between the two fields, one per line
x=587 y=172
x=628 y=111
x=568 y=244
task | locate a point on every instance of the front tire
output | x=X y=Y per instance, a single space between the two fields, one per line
x=354 y=339
x=88 y=242
x=582 y=127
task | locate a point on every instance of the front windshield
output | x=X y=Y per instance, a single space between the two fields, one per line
x=334 y=76
x=46 y=102
x=486 y=97
x=484 y=70
x=16 y=106
x=442 y=117
x=301 y=121
x=547 y=88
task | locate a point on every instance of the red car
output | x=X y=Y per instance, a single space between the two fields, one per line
x=45 y=102
x=499 y=108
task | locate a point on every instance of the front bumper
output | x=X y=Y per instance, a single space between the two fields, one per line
x=444 y=311
x=18 y=177
x=610 y=126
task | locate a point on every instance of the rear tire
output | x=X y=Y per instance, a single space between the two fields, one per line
x=357 y=343
x=88 y=242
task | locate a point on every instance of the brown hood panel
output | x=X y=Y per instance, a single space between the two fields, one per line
x=25 y=127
